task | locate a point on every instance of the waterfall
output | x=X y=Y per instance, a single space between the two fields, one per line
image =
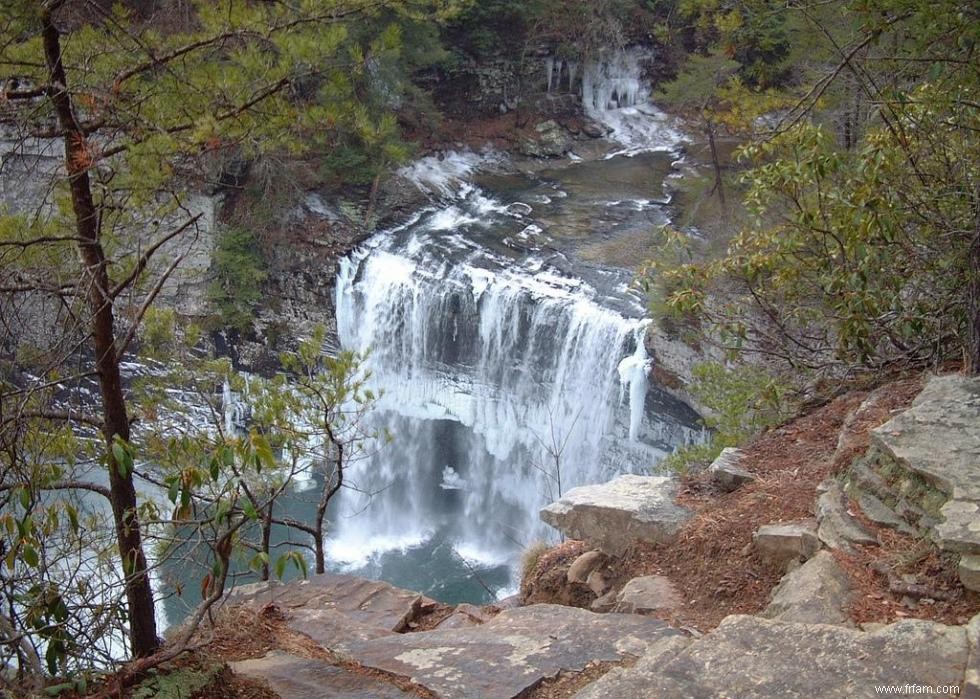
x=615 y=93
x=499 y=370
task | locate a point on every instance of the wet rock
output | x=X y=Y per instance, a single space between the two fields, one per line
x=646 y=594
x=969 y=570
x=593 y=129
x=838 y=529
x=818 y=592
x=612 y=516
x=292 y=677
x=368 y=603
x=513 y=652
x=753 y=658
x=589 y=561
x=726 y=473
x=788 y=543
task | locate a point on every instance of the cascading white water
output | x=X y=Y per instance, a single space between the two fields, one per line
x=501 y=376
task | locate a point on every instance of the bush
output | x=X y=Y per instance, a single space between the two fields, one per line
x=237 y=274
x=741 y=402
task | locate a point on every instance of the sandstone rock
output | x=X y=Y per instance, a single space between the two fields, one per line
x=818 y=592
x=786 y=543
x=512 y=602
x=726 y=473
x=368 y=603
x=513 y=652
x=753 y=658
x=580 y=569
x=647 y=594
x=969 y=570
x=328 y=627
x=615 y=515
x=292 y=677
x=837 y=528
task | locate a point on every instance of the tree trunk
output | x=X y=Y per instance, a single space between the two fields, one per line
x=266 y=541
x=973 y=293
x=716 y=162
x=139 y=596
x=329 y=490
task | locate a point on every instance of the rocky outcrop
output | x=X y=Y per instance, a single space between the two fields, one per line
x=818 y=592
x=922 y=472
x=612 y=516
x=752 y=658
x=549 y=140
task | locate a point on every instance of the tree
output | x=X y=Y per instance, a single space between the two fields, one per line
x=862 y=257
x=142 y=113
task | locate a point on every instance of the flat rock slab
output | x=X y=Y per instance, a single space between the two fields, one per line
x=752 y=658
x=367 y=603
x=614 y=515
x=510 y=653
x=292 y=677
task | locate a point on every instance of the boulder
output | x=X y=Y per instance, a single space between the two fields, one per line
x=969 y=570
x=786 y=544
x=818 y=592
x=613 y=516
x=753 y=658
x=583 y=566
x=960 y=529
x=292 y=677
x=837 y=528
x=726 y=473
x=879 y=513
x=512 y=652
x=646 y=594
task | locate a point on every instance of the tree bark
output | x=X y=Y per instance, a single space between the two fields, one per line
x=973 y=294
x=78 y=159
x=716 y=162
